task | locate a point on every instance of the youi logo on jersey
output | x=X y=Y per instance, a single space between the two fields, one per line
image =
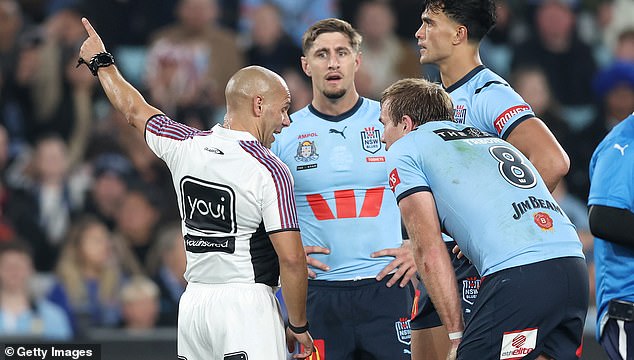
x=208 y=207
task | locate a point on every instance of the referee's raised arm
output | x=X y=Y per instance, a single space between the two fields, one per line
x=123 y=96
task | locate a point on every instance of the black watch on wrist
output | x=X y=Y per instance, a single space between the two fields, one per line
x=99 y=60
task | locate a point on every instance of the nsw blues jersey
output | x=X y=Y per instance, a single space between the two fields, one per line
x=490 y=198
x=612 y=184
x=484 y=100
x=338 y=163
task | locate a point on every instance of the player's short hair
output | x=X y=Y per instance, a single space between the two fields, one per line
x=421 y=100
x=329 y=26
x=478 y=16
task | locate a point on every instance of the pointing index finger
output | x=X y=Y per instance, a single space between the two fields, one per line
x=89 y=29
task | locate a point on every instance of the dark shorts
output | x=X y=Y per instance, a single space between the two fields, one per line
x=529 y=310
x=361 y=319
x=618 y=339
x=424 y=314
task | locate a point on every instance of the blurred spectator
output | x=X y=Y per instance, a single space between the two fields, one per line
x=112 y=174
x=496 y=48
x=51 y=196
x=297 y=15
x=614 y=86
x=386 y=58
x=624 y=49
x=166 y=264
x=60 y=93
x=270 y=46
x=21 y=314
x=190 y=61
x=139 y=304
x=567 y=61
x=13 y=43
x=531 y=83
x=90 y=273
x=137 y=221
x=300 y=87
x=615 y=16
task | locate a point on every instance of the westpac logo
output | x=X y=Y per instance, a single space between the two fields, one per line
x=208 y=207
x=346 y=204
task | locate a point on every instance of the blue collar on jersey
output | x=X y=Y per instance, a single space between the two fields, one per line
x=336 y=118
x=465 y=78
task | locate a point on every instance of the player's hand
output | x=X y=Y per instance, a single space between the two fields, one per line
x=92 y=45
x=453 y=351
x=403 y=262
x=456 y=250
x=305 y=341
x=313 y=262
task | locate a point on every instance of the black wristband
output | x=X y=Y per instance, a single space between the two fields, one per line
x=298 y=329
x=99 y=60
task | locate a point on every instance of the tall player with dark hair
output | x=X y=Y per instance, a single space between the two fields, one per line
x=450 y=37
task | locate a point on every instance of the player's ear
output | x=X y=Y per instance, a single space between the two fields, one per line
x=305 y=66
x=461 y=35
x=406 y=124
x=258 y=103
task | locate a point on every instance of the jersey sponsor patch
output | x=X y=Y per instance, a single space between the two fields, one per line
x=208 y=207
x=394 y=179
x=240 y=355
x=403 y=331
x=543 y=220
x=466 y=133
x=205 y=244
x=517 y=344
x=507 y=115
x=470 y=287
x=371 y=139
x=306 y=151
x=460 y=114
x=374 y=159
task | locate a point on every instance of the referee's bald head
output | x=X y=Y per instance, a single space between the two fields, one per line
x=249 y=82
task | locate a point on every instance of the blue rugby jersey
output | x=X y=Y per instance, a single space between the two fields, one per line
x=612 y=184
x=490 y=198
x=341 y=191
x=484 y=100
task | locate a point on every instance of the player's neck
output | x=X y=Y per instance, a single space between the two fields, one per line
x=335 y=106
x=457 y=66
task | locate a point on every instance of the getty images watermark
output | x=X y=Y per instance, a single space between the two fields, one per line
x=52 y=351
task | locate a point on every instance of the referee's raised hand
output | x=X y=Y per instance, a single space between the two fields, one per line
x=92 y=45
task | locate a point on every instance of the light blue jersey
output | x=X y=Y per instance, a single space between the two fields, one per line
x=484 y=100
x=342 y=195
x=490 y=198
x=612 y=184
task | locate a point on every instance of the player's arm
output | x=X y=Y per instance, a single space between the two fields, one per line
x=419 y=214
x=294 y=278
x=612 y=224
x=533 y=138
x=123 y=96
